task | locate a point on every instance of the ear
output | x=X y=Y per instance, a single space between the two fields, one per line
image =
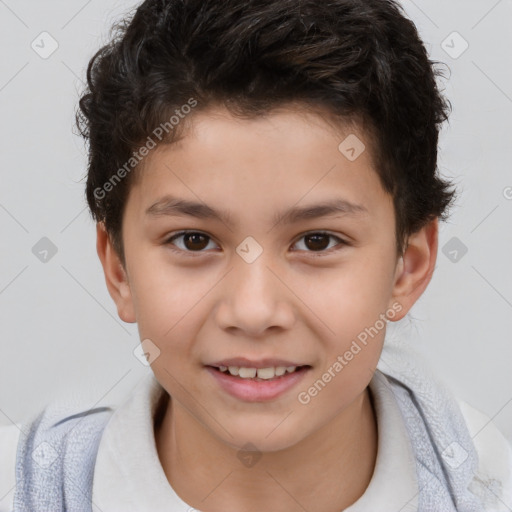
x=115 y=275
x=414 y=270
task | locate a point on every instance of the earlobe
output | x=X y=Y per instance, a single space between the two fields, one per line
x=414 y=270
x=116 y=278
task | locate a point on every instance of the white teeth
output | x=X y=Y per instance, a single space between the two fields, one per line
x=247 y=373
x=262 y=373
x=266 y=373
x=233 y=370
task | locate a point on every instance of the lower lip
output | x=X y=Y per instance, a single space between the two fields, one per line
x=254 y=390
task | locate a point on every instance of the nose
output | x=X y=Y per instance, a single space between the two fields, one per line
x=255 y=299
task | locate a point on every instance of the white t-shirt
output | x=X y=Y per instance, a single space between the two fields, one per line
x=128 y=476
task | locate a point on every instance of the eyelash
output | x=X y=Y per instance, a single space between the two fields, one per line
x=321 y=253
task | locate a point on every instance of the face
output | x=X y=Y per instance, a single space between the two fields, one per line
x=289 y=255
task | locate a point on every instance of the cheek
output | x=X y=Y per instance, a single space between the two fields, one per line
x=350 y=305
x=349 y=298
x=165 y=297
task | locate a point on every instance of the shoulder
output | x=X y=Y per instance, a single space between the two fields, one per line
x=62 y=427
x=61 y=441
x=493 y=482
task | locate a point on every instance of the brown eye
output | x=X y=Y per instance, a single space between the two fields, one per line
x=317 y=242
x=320 y=243
x=195 y=241
x=192 y=241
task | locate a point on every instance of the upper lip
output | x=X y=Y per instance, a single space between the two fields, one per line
x=243 y=362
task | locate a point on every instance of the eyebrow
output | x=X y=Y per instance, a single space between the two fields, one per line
x=172 y=206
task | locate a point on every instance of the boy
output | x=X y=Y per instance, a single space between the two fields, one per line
x=257 y=130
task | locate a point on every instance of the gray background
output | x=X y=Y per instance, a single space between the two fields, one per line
x=60 y=333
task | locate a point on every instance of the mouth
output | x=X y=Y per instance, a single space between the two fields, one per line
x=270 y=373
x=251 y=384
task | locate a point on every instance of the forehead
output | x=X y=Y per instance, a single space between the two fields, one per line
x=286 y=156
x=292 y=125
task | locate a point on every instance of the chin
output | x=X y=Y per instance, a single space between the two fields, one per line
x=265 y=438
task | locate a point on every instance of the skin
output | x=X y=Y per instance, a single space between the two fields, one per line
x=292 y=302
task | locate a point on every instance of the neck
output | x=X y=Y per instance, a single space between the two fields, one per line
x=327 y=471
